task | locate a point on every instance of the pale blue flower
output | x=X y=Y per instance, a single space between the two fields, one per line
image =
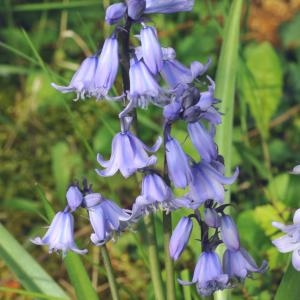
x=208 y=275
x=105 y=217
x=128 y=155
x=208 y=183
x=290 y=242
x=151 y=49
x=239 y=264
x=60 y=235
x=211 y=217
x=115 y=12
x=168 y=6
x=107 y=69
x=136 y=8
x=180 y=237
x=82 y=82
x=229 y=233
x=178 y=164
x=74 y=197
x=203 y=140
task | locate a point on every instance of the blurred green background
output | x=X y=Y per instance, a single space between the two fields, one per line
x=47 y=140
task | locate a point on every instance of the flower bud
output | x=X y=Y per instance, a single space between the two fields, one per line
x=229 y=233
x=114 y=13
x=211 y=218
x=74 y=197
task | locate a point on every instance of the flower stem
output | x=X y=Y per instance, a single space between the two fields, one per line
x=110 y=275
x=153 y=258
x=170 y=281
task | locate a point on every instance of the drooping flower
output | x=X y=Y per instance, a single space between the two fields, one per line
x=211 y=217
x=107 y=69
x=135 y=8
x=60 y=235
x=203 y=141
x=114 y=13
x=178 y=164
x=105 y=216
x=74 y=197
x=208 y=275
x=82 y=81
x=168 y=6
x=208 y=183
x=151 y=49
x=238 y=264
x=180 y=237
x=229 y=233
x=128 y=155
x=290 y=242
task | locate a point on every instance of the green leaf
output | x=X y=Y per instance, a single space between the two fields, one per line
x=289 y=287
x=31 y=275
x=260 y=83
x=79 y=277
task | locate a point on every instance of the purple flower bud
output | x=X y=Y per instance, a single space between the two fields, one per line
x=172 y=111
x=128 y=155
x=60 y=235
x=180 y=237
x=208 y=274
x=107 y=68
x=239 y=264
x=136 y=8
x=211 y=217
x=168 y=6
x=151 y=49
x=114 y=13
x=83 y=80
x=74 y=197
x=178 y=164
x=229 y=233
x=203 y=141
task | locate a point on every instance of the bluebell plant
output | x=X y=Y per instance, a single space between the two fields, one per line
x=152 y=75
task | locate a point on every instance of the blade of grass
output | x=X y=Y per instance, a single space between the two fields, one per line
x=31 y=275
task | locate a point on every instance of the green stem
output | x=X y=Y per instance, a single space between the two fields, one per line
x=153 y=258
x=170 y=281
x=110 y=275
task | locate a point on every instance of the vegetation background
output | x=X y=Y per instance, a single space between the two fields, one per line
x=47 y=140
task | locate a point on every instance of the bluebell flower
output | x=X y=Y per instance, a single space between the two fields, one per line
x=60 y=235
x=128 y=155
x=115 y=12
x=136 y=8
x=168 y=6
x=178 y=164
x=180 y=237
x=211 y=217
x=203 y=141
x=107 y=69
x=290 y=242
x=105 y=217
x=74 y=197
x=82 y=82
x=208 y=275
x=143 y=86
x=229 y=233
x=208 y=183
x=238 y=264
x=151 y=49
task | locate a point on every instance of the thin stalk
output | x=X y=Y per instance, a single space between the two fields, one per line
x=110 y=275
x=170 y=278
x=153 y=258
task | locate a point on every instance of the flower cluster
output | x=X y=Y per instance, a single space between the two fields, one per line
x=152 y=75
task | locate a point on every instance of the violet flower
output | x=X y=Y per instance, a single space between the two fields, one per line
x=74 y=197
x=208 y=275
x=178 y=164
x=229 y=233
x=135 y=8
x=239 y=264
x=211 y=217
x=128 y=155
x=151 y=49
x=168 y=6
x=105 y=216
x=290 y=242
x=180 y=237
x=83 y=80
x=114 y=13
x=60 y=235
